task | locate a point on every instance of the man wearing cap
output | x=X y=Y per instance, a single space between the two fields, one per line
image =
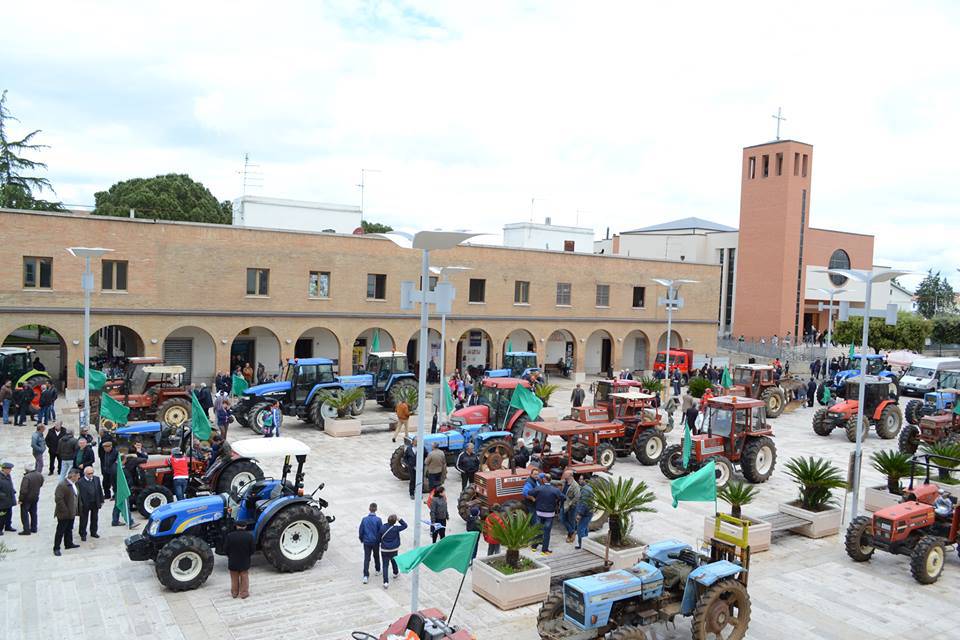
x=29 y=498
x=8 y=497
x=66 y=508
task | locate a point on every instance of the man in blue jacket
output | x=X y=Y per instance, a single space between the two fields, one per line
x=532 y=483
x=546 y=500
x=370 y=538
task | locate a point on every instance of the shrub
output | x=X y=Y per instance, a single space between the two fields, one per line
x=816 y=479
x=697 y=386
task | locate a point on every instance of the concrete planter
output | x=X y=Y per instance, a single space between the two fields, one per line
x=876 y=498
x=342 y=427
x=822 y=523
x=550 y=413
x=621 y=558
x=758 y=537
x=510 y=592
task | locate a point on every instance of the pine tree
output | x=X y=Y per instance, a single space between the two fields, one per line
x=17 y=189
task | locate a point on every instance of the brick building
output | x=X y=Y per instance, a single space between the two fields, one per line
x=202 y=294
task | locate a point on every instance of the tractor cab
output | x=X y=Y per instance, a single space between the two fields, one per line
x=494 y=407
x=633 y=407
x=878 y=391
x=751 y=379
x=517 y=364
x=603 y=389
x=304 y=374
x=246 y=502
x=391 y=373
x=16 y=365
x=731 y=417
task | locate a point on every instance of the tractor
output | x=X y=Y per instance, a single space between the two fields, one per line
x=921 y=526
x=155 y=437
x=933 y=403
x=288 y=526
x=495 y=448
x=518 y=364
x=494 y=408
x=876 y=366
x=390 y=375
x=300 y=393
x=880 y=410
x=672 y=580
x=943 y=427
x=16 y=365
x=629 y=422
x=603 y=388
x=152 y=391
x=737 y=434
x=756 y=381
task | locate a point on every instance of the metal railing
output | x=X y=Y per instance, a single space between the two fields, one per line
x=768 y=349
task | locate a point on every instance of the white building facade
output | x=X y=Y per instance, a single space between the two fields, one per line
x=295 y=215
x=532 y=235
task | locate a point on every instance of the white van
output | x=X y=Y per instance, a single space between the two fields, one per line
x=924 y=375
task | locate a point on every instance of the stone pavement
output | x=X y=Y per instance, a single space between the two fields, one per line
x=801 y=589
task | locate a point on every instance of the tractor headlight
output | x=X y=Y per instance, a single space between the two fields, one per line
x=153 y=528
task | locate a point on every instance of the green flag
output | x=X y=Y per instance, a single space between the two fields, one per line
x=852 y=351
x=509 y=345
x=448 y=398
x=956 y=408
x=524 y=399
x=97 y=378
x=238 y=384
x=375 y=343
x=826 y=394
x=453 y=552
x=199 y=423
x=696 y=487
x=726 y=382
x=122 y=494
x=687 y=442
x=110 y=409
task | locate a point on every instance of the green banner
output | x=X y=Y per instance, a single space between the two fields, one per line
x=524 y=399
x=199 y=422
x=112 y=410
x=97 y=378
x=700 y=486
x=452 y=552
x=687 y=441
x=726 y=381
x=448 y=398
x=122 y=497
x=238 y=385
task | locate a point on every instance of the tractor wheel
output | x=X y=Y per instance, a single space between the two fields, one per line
x=174 y=412
x=775 y=401
x=649 y=446
x=909 y=439
x=758 y=459
x=242 y=420
x=913 y=411
x=238 y=475
x=598 y=520
x=296 y=538
x=857 y=541
x=184 y=563
x=319 y=412
x=606 y=455
x=550 y=619
x=723 y=611
x=257 y=415
x=496 y=454
x=397 y=391
x=520 y=426
x=820 y=388
x=851 y=428
x=152 y=498
x=724 y=471
x=108 y=424
x=357 y=407
x=400 y=470
x=671 y=462
x=891 y=419
x=951 y=439
x=820 y=425
x=512 y=505
x=926 y=561
x=467 y=499
x=628 y=632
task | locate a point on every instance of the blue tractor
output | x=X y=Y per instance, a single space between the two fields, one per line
x=876 y=366
x=933 y=403
x=672 y=580
x=517 y=364
x=494 y=447
x=289 y=527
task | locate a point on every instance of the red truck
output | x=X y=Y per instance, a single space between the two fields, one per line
x=680 y=359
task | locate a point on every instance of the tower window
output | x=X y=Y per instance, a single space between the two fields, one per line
x=779 y=164
x=766 y=165
x=796 y=164
x=839 y=259
x=752 y=168
x=803 y=171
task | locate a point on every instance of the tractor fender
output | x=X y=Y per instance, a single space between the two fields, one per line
x=880 y=407
x=351 y=382
x=275 y=507
x=514 y=418
x=705 y=576
x=484 y=436
x=30 y=374
x=213 y=471
x=187 y=514
x=326 y=386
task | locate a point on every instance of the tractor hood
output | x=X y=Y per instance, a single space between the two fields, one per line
x=138 y=428
x=363 y=380
x=185 y=514
x=268 y=388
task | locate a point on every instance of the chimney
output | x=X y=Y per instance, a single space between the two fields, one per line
x=608 y=234
x=616 y=244
x=546 y=221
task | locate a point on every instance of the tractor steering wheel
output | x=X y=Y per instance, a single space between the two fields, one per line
x=362 y=635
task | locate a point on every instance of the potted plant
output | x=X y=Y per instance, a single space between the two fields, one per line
x=698 y=385
x=341 y=400
x=739 y=495
x=816 y=479
x=618 y=501
x=410 y=395
x=510 y=580
x=894 y=465
x=651 y=384
x=947 y=449
x=544 y=391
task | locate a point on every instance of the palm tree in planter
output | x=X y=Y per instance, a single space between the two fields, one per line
x=948 y=449
x=816 y=479
x=651 y=384
x=894 y=465
x=544 y=391
x=515 y=531
x=410 y=395
x=342 y=399
x=737 y=495
x=619 y=500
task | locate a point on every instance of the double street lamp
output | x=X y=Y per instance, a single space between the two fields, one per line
x=443 y=272
x=671 y=302
x=830 y=308
x=86 y=282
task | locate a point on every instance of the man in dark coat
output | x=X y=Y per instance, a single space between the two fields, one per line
x=90 y=492
x=47 y=397
x=239 y=547
x=84 y=456
x=410 y=462
x=66 y=508
x=23 y=398
x=53 y=441
x=29 y=498
x=67 y=450
x=108 y=467
x=204 y=398
x=577 y=396
x=811 y=391
x=468 y=463
x=8 y=497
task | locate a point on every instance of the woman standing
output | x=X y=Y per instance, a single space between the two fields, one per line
x=438 y=514
x=390 y=546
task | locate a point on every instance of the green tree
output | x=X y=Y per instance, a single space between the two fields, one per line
x=946 y=329
x=934 y=295
x=170 y=197
x=16 y=189
x=375 y=227
x=910 y=332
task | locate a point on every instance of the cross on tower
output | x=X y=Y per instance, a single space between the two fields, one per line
x=779 y=118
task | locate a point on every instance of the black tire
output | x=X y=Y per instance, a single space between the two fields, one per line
x=606 y=455
x=393 y=396
x=628 y=632
x=467 y=499
x=184 y=563
x=550 y=616
x=512 y=505
x=649 y=447
x=775 y=400
x=237 y=475
x=856 y=541
x=520 y=425
x=399 y=470
x=315 y=412
x=758 y=459
x=926 y=561
x=357 y=407
x=496 y=454
x=724 y=471
x=598 y=520
x=284 y=533
x=913 y=411
x=711 y=618
x=820 y=425
x=891 y=419
x=851 y=428
x=909 y=439
x=241 y=418
x=256 y=415
x=671 y=462
x=174 y=412
x=152 y=498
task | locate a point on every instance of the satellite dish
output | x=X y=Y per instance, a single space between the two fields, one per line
x=358 y=231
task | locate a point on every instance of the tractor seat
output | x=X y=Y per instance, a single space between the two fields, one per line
x=675 y=575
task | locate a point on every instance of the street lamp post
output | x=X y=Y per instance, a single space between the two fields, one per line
x=670 y=302
x=86 y=282
x=443 y=272
x=831 y=293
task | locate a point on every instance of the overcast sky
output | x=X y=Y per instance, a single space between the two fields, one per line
x=478 y=114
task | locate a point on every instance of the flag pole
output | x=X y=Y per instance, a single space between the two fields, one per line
x=454 y=607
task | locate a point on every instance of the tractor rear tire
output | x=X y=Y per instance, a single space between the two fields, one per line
x=820 y=425
x=598 y=520
x=913 y=411
x=851 y=428
x=496 y=454
x=550 y=617
x=758 y=459
x=399 y=470
x=606 y=455
x=857 y=548
x=926 y=561
x=724 y=471
x=241 y=418
x=775 y=400
x=184 y=563
x=152 y=498
x=909 y=439
x=237 y=475
x=257 y=414
x=296 y=538
x=628 y=632
x=319 y=411
x=520 y=426
x=724 y=605
x=671 y=462
x=466 y=500
x=174 y=412
x=396 y=392
x=649 y=447
x=891 y=419
x=357 y=407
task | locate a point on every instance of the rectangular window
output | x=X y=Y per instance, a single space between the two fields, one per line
x=752 y=168
x=114 y=275
x=568 y=245
x=478 y=290
x=376 y=286
x=731 y=275
x=563 y=293
x=258 y=282
x=766 y=165
x=639 y=297
x=37 y=272
x=432 y=280
x=803 y=171
x=603 y=295
x=779 y=164
x=796 y=164
x=319 y=284
x=521 y=292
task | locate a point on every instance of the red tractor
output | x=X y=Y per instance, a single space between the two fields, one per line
x=943 y=427
x=880 y=409
x=924 y=523
x=757 y=381
x=628 y=422
x=494 y=408
x=603 y=388
x=737 y=434
x=152 y=391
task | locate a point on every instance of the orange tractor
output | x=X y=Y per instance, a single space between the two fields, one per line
x=628 y=422
x=757 y=381
x=152 y=391
x=880 y=409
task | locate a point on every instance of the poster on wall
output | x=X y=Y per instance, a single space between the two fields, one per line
x=474 y=357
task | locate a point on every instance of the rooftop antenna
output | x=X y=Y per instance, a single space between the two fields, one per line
x=779 y=118
x=363 y=186
x=251 y=176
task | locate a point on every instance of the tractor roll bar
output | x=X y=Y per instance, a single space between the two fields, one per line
x=925 y=459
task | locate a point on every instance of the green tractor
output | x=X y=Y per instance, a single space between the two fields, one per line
x=16 y=365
